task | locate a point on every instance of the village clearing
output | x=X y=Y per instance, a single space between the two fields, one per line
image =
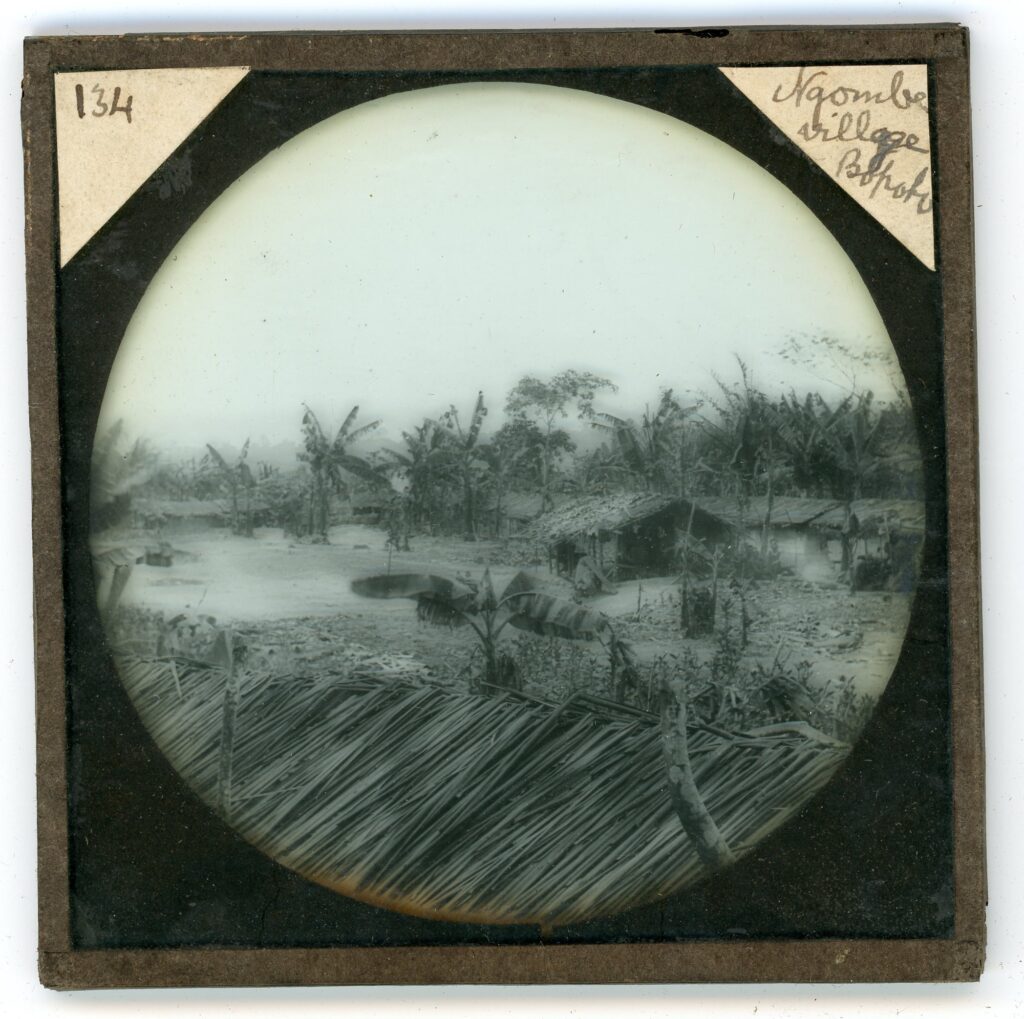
x=291 y=606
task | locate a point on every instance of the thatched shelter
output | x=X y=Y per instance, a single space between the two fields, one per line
x=364 y=506
x=438 y=802
x=627 y=534
x=179 y=515
x=807 y=532
x=510 y=514
x=799 y=512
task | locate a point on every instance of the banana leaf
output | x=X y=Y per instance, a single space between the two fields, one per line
x=420 y=586
x=361 y=469
x=536 y=612
x=439 y=612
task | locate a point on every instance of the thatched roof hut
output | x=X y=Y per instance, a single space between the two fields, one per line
x=365 y=505
x=195 y=514
x=789 y=511
x=628 y=534
x=211 y=511
x=511 y=514
x=454 y=805
x=625 y=533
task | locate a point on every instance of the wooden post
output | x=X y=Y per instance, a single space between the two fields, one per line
x=118 y=581
x=224 y=656
x=699 y=825
x=716 y=558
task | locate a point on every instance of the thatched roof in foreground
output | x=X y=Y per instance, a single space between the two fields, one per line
x=444 y=803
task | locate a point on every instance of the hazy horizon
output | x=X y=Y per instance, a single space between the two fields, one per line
x=279 y=449
x=412 y=251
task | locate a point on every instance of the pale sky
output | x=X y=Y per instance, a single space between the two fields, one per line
x=414 y=250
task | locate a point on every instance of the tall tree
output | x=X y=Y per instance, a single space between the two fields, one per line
x=547 y=404
x=512 y=461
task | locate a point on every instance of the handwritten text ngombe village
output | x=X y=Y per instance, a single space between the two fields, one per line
x=866 y=150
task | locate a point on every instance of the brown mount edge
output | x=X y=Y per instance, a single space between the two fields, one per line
x=740 y=962
x=455 y=49
x=958 y=959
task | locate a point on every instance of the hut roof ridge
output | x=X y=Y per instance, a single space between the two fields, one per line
x=595 y=513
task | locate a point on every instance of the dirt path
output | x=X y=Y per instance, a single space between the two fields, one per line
x=842 y=635
x=271 y=577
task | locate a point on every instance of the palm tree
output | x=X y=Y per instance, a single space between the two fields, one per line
x=650 y=452
x=838 y=448
x=743 y=445
x=598 y=471
x=422 y=465
x=464 y=444
x=857 y=450
x=329 y=463
x=239 y=481
x=807 y=433
x=117 y=473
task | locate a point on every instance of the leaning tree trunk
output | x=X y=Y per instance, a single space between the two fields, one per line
x=699 y=825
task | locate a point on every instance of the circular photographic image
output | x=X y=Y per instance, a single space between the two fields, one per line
x=506 y=505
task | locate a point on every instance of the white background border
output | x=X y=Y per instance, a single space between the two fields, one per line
x=997 y=44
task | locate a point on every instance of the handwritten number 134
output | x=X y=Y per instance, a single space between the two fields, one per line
x=101 y=108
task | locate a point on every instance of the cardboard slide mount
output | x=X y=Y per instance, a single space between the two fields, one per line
x=115 y=870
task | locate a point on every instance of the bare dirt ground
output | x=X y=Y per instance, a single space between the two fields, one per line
x=295 y=601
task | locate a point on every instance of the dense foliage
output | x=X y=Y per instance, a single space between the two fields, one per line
x=451 y=474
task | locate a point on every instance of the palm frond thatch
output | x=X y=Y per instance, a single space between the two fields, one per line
x=595 y=514
x=442 y=803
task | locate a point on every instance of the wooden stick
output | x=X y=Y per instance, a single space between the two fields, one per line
x=227 y=730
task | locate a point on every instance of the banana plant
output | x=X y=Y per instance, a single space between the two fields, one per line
x=447 y=602
x=238 y=479
x=328 y=463
x=467 y=450
x=649 y=452
x=444 y=601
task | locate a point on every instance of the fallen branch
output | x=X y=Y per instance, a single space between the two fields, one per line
x=798 y=729
x=699 y=825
